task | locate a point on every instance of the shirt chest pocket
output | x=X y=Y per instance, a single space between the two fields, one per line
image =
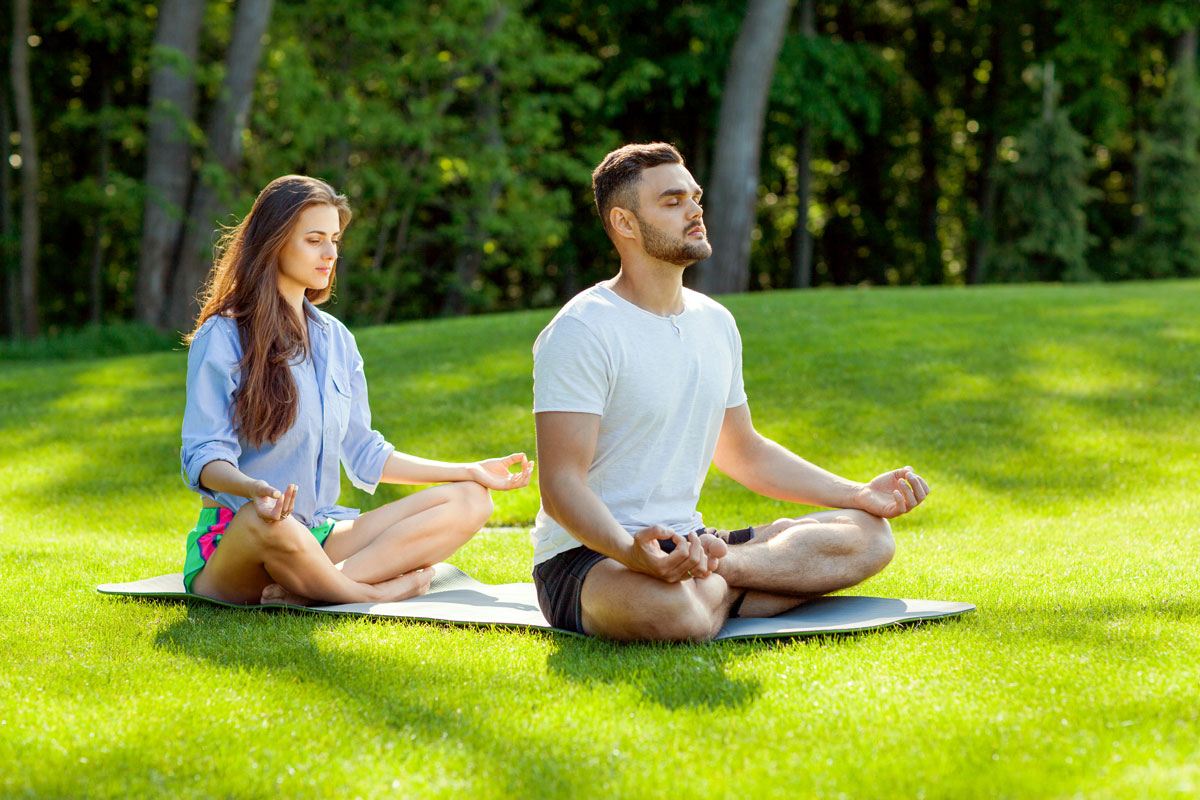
x=338 y=404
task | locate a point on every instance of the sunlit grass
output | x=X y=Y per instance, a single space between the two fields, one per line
x=1059 y=427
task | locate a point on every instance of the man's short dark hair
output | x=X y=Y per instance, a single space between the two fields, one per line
x=614 y=182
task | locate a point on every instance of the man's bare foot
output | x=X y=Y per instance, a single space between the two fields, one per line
x=274 y=593
x=402 y=587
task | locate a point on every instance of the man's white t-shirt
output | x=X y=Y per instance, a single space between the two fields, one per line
x=660 y=386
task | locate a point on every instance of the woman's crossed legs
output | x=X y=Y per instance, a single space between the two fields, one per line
x=380 y=557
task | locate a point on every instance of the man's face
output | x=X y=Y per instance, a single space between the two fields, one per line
x=670 y=217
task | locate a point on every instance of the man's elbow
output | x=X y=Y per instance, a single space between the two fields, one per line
x=554 y=491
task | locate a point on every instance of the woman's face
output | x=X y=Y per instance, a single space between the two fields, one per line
x=310 y=253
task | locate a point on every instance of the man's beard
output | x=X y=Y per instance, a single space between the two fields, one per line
x=683 y=253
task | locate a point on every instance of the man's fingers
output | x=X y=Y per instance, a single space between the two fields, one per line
x=699 y=558
x=714 y=545
x=924 y=486
x=676 y=565
x=653 y=533
x=910 y=497
x=918 y=486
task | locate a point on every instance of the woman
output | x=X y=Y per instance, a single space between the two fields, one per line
x=276 y=397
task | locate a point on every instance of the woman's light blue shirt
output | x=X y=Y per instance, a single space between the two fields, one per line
x=333 y=421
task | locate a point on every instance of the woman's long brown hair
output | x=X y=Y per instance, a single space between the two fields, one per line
x=243 y=285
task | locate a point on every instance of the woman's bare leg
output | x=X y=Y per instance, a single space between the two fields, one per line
x=254 y=554
x=414 y=532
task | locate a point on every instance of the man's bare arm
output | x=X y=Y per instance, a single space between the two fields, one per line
x=566 y=445
x=770 y=469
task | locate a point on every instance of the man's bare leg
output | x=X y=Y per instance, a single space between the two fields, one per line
x=621 y=604
x=786 y=563
x=808 y=557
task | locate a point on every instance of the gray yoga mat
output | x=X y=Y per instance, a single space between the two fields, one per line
x=457 y=598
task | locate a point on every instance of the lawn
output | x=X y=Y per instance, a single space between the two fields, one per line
x=1058 y=426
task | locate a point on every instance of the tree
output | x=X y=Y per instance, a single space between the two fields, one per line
x=211 y=192
x=802 y=249
x=9 y=265
x=1167 y=240
x=1044 y=228
x=488 y=188
x=30 y=220
x=172 y=108
x=732 y=191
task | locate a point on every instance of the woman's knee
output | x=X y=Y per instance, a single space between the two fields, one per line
x=283 y=536
x=474 y=503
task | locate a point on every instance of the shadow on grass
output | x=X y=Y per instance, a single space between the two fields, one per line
x=671 y=675
x=428 y=702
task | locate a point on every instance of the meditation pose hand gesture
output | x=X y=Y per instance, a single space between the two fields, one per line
x=277 y=397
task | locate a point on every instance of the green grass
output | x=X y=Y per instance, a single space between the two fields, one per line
x=1059 y=428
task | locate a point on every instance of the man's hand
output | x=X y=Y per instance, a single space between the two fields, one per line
x=271 y=504
x=693 y=557
x=494 y=472
x=893 y=493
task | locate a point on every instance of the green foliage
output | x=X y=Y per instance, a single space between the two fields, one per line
x=1043 y=228
x=1167 y=242
x=90 y=341
x=395 y=124
x=466 y=145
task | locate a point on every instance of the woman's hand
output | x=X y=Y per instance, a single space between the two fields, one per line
x=495 y=473
x=271 y=504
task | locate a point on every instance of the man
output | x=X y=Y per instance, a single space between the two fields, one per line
x=637 y=389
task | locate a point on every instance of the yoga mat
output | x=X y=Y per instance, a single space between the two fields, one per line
x=457 y=598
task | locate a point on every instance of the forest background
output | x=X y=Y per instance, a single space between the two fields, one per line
x=867 y=142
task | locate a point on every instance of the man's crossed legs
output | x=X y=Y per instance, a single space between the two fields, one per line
x=784 y=564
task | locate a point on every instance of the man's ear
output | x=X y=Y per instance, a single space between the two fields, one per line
x=622 y=222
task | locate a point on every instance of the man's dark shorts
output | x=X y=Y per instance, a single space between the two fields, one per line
x=559 y=580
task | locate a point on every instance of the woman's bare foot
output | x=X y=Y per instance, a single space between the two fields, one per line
x=274 y=593
x=402 y=587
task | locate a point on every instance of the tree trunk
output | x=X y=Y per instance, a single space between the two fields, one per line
x=802 y=243
x=985 y=198
x=30 y=221
x=224 y=137
x=739 y=145
x=172 y=107
x=1185 y=70
x=97 y=269
x=929 y=271
x=469 y=261
x=8 y=264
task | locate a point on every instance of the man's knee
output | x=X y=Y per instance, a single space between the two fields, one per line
x=675 y=614
x=877 y=546
x=686 y=620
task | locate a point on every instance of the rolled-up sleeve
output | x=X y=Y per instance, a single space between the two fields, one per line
x=364 y=450
x=212 y=379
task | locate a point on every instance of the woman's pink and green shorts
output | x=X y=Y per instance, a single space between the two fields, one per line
x=204 y=538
